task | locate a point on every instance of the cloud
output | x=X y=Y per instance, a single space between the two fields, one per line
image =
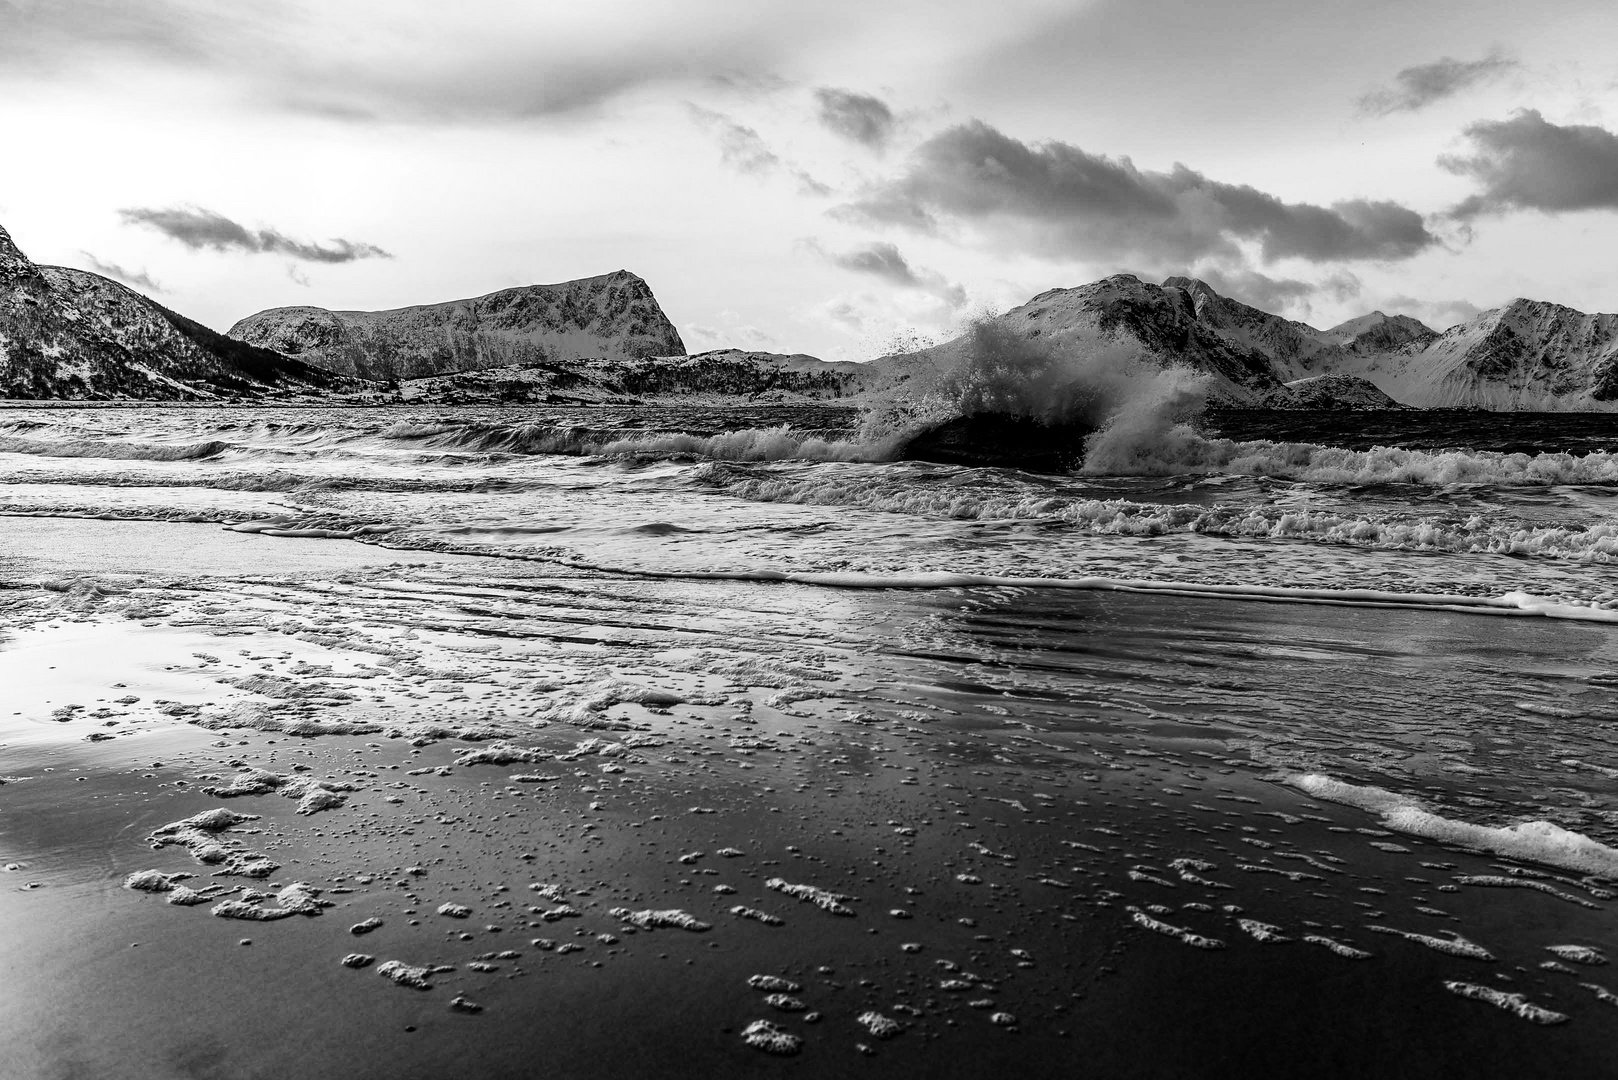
x=1060 y=201
x=1417 y=87
x=1438 y=314
x=859 y=117
x=1278 y=294
x=1529 y=163
x=887 y=324
x=884 y=260
x=200 y=229
x=118 y=273
x=49 y=35
x=734 y=334
x=741 y=147
x=412 y=61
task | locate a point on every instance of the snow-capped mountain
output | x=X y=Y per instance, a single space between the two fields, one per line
x=614 y=317
x=71 y=334
x=1528 y=355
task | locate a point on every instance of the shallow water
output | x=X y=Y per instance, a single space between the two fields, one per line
x=1066 y=786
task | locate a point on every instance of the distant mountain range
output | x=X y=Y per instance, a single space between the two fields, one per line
x=69 y=334
x=1528 y=355
x=613 y=317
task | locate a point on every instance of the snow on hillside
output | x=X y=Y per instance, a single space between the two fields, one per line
x=614 y=316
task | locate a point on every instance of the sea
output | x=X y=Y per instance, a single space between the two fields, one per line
x=1264 y=740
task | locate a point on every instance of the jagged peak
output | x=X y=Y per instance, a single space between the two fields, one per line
x=13 y=263
x=1192 y=285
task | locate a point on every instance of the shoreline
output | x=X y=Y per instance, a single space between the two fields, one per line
x=912 y=752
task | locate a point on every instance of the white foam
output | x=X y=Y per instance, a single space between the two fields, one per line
x=764 y=1035
x=821 y=898
x=1532 y=841
x=1262 y=931
x=651 y=920
x=1347 y=952
x=1186 y=936
x=1454 y=945
x=1578 y=954
x=1512 y=1003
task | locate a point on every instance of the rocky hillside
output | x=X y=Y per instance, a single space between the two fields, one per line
x=69 y=334
x=614 y=316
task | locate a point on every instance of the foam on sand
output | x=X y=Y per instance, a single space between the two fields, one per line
x=764 y=1035
x=1262 y=931
x=1454 y=945
x=651 y=920
x=1512 y=1003
x=1578 y=954
x=202 y=835
x=821 y=898
x=881 y=1026
x=1501 y=882
x=1158 y=926
x=1531 y=841
x=417 y=978
x=1347 y=952
x=296 y=899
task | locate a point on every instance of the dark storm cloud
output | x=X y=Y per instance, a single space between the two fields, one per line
x=1061 y=201
x=860 y=117
x=1417 y=87
x=1529 y=163
x=118 y=273
x=200 y=229
x=886 y=261
x=881 y=259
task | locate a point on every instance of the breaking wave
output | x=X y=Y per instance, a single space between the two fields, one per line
x=1180 y=450
x=117 y=451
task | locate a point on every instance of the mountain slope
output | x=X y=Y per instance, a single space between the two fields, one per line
x=614 y=316
x=71 y=334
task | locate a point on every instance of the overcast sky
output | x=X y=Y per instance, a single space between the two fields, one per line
x=831 y=178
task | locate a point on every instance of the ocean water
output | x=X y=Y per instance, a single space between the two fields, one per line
x=1139 y=755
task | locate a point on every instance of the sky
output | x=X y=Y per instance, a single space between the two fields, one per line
x=838 y=179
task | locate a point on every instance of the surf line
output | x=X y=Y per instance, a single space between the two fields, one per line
x=1516 y=604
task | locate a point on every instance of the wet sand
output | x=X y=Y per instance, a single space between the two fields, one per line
x=996 y=782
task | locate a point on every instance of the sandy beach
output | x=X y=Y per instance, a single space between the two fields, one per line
x=593 y=807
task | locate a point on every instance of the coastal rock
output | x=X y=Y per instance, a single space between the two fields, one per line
x=993 y=439
x=1338 y=392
